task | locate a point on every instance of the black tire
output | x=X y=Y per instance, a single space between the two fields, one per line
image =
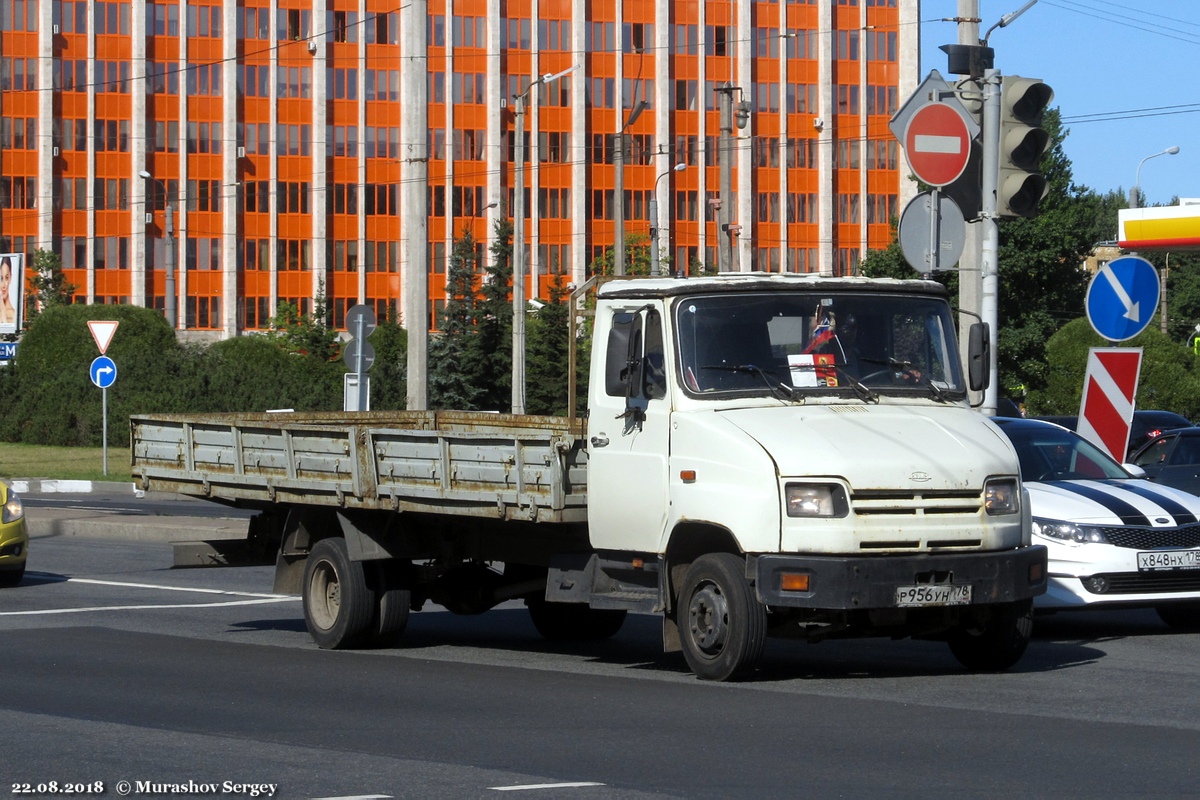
x=338 y=605
x=578 y=622
x=11 y=577
x=722 y=626
x=998 y=642
x=1180 y=616
x=394 y=600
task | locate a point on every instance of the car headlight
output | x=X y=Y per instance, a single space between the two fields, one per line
x=816 y=500
x=13 y=510
x=1068 y=531
x=1000 y=496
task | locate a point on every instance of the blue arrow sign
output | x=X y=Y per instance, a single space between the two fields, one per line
x=1122 y=298
x=103 y=372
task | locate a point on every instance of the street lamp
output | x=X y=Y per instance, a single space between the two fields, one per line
x=655 y=266
x=169 y=260
x=518 y=322
x=1134 y=191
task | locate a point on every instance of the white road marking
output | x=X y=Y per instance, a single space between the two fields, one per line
x=357 y=797
x=529 y=786
x=256 y=598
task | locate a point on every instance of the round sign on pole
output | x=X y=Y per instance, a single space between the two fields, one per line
x=1122 y=298
x=937 y=143
x=363 y=313
x=932 y=243
x=352 y=350
x=103 y=372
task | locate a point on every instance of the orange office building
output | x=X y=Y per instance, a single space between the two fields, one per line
x=277 y=134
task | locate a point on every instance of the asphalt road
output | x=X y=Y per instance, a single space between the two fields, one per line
x=118 y=668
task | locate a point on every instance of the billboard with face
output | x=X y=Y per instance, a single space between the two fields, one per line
x=12 y=285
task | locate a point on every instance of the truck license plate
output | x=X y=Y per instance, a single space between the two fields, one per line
x=1169 y=559
x=933 y=594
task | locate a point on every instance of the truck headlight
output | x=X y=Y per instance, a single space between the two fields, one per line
x=1000 y=496
x=816 y=500
x=13 y=510
x=1068 y=532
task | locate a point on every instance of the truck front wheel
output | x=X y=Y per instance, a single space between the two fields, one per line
x=998 y=641
x=722 y=626
x=338 y=606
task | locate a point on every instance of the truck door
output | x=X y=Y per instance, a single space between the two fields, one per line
x=629 y=435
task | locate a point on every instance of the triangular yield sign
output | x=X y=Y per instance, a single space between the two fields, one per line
x=102 y=332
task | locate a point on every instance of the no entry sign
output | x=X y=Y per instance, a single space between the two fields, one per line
x=938 y=144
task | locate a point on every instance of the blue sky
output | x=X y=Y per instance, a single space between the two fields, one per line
x=1130 y=65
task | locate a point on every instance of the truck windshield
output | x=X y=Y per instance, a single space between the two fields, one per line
x=754 y=343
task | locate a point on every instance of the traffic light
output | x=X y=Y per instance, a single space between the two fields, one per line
x=1021 y=187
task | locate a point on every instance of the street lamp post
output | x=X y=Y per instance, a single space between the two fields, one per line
x=169 y=259
x=655 y=265
x=518 y=322
x=1135 y=190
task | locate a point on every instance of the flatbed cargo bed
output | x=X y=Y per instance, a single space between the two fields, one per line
x=497 y=466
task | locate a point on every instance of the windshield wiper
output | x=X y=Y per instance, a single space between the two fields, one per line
x=753 y=369
x=863 y=391
x=913 y=377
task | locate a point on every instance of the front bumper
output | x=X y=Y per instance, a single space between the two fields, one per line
x=14 y=544
x=868 y=582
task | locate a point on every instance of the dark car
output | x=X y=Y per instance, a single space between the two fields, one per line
x=1148 y=424
x=1144 y=426
x=1172 y=459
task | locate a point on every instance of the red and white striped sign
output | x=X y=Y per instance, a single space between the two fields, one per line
x=1109 y=389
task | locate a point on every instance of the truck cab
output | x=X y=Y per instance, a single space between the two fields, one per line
x=813 y=436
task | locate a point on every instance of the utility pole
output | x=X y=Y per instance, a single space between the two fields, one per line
x=414 y=200
x=724 y=164
x=618 y=156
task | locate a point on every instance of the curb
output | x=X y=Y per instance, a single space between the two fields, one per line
x=57 y=486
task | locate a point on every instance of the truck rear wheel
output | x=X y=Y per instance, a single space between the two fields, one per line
x=722 y=626
x=998 y=642
x=338 y=605
x=558 y=622
x=394 y=601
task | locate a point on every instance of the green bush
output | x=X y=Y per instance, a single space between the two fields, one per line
x=50 y=399
x=1168 y=377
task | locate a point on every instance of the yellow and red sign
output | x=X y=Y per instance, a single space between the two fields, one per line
x=1162 y=228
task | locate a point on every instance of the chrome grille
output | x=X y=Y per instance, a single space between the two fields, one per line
x=871 y=502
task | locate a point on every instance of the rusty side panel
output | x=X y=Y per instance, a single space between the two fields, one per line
x=485 y=465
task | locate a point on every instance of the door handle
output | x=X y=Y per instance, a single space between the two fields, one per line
x=599 y=441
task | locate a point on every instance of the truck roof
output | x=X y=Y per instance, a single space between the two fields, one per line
x=637 y=287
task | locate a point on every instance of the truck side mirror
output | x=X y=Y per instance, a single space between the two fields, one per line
x=979 y=356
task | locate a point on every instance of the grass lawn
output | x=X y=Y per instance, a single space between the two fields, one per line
x=74 y=463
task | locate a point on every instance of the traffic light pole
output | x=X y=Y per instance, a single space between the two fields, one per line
x=989 y=256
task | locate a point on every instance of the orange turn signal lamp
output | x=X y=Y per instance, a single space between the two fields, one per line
x=794 y=581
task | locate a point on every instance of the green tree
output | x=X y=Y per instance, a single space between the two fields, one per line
x=637 y=253
x=452 y=382
x=389 y=375
x=306 y=334
x=1041 y=282
x=1168 y=377
x=48 y=285
x=491 y=347
x=548 y=354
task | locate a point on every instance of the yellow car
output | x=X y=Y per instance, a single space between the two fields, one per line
x=14 y=537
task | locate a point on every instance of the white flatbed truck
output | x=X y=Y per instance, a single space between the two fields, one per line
x=761 y=455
